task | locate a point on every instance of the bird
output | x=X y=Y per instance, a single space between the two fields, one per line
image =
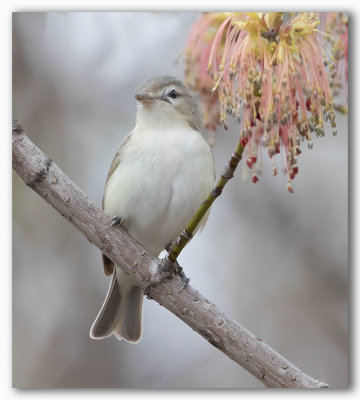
x=161 y=173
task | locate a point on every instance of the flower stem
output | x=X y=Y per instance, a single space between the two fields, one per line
x=189 y=230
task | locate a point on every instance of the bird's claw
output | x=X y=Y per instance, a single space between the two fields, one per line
x=116 y=220
x=169 y=269
x=184 y=279
x=147 y=290
x=168 y=246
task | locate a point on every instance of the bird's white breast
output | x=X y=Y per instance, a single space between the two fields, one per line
x=161 y=180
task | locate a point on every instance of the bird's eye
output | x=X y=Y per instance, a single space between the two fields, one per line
x=173 y=94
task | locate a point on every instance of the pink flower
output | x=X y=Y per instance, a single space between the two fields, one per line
x=272 y=78
x=197 y=51
x=335 y=25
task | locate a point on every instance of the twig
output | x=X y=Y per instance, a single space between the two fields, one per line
x=40 y=173
x=188 y=232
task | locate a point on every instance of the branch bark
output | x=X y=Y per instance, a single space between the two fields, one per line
x=41 y=174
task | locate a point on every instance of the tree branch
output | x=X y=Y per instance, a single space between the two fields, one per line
x=41 y=174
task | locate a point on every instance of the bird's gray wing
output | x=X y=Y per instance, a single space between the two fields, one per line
x=108 y=264
x=117 y=158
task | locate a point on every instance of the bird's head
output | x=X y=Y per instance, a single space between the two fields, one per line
x=165 y=100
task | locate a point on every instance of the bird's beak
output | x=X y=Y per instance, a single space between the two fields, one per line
x=144 y=97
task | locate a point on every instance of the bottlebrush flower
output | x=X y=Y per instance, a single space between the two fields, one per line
x=335 y=24
x=270 y=75
x=197 y=51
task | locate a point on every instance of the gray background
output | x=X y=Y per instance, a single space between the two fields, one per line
x=276 y=262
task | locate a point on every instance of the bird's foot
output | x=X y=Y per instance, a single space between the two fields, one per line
x=168 y=270
x=116 y=220
x=168 y=246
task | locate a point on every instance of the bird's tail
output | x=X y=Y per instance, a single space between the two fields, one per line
x=121 y=313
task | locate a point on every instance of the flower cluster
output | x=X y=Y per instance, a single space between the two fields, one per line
x=335 y=25
x=271 y=75
x=197 y=78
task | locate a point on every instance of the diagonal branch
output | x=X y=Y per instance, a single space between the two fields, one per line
x=41 y=174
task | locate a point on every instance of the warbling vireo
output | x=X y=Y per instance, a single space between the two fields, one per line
x=161 y=173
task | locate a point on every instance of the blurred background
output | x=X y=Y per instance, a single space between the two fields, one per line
x=276 y=262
